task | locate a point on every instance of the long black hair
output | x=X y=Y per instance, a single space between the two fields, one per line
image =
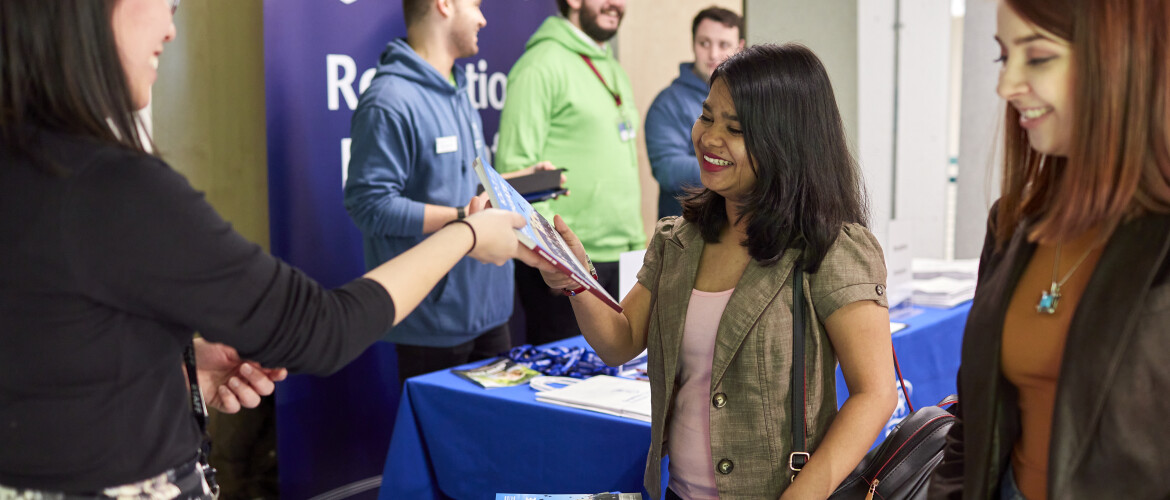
x=60 y=71
x=807 y=183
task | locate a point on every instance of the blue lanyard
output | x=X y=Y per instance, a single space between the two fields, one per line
x=575 y=362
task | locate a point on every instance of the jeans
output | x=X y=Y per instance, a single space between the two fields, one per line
x=1008 y=490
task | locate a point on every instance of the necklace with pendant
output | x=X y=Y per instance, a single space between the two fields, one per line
x=1050 y=298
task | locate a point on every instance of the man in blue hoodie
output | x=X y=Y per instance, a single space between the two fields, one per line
x=716 y=34
x=415 y=136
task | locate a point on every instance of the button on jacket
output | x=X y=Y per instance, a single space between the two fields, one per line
x=751 y=371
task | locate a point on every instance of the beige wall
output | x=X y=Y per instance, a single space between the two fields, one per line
x=654 y=38
x=208 y=109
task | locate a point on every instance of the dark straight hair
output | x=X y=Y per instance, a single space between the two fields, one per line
x=60 y=71
x=807 y=183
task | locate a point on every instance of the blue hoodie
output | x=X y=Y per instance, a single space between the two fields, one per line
x=668 y=137
x=414 y=138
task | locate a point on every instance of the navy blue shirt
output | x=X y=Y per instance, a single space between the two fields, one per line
x=415 y=137
x=668 y=137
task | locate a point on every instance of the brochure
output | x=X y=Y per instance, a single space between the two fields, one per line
x=605 y=394
x=500 y=372
x=539 y=234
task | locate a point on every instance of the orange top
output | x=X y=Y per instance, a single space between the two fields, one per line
x=1033 y=347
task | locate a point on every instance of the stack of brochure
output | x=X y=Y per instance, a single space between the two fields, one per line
x=605 y=394
x=961 y=269
x=943 y=283
x=942 y=292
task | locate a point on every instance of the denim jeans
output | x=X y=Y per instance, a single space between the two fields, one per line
x=1008 y=489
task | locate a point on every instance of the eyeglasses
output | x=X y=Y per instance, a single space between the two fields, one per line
x=174 y=6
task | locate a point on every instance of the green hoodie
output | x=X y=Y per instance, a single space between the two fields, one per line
x=558 y=110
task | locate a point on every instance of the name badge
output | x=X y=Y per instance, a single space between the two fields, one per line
x=449 y=144
x=625 y=131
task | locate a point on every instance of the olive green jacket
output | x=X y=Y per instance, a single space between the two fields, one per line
x=751 y=370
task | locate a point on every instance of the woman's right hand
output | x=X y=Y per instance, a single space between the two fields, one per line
x=495 y=239
x=553 y=277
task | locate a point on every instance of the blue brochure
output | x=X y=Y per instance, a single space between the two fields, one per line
x=539 y=234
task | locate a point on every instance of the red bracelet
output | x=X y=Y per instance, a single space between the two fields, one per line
x=592 y=271
x=571 y=293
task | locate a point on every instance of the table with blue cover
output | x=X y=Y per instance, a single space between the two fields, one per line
x=455 y=439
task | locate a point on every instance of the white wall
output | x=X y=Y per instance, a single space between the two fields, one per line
x=980 y=129
x=920 y=175
x=856 y=40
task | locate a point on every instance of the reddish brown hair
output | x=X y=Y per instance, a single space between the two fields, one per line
x=1119 y=161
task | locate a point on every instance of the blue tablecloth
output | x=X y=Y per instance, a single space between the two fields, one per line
x=471 y=443
x=454 y=438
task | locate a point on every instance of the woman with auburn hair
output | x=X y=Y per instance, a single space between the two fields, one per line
x=715 y=296
x=110 y=261
x=1064 y=357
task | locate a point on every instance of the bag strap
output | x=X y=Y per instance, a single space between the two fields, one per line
x=799 y=456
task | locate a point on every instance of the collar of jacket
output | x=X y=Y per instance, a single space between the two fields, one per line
x=758 y=288
x=1100 y=331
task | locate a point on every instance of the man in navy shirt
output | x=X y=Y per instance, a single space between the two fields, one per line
x=415 y=137
x=716 y=34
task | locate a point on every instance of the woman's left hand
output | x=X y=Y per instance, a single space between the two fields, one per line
x=228 y=382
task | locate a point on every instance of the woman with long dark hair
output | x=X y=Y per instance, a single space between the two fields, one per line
x=714 y=299
x=110 y=261
x=1064 y=355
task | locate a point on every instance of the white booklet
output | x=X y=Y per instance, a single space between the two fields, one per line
x=605 y=394
x=539 y=234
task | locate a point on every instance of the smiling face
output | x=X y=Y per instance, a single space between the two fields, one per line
x=713 y=44
x=141 y=27
x=1036 y=80
x=725 y=166
x=600 y=19
x=467 y=21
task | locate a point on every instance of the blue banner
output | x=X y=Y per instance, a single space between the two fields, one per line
x=319 y=56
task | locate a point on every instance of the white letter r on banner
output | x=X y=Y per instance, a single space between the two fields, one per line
x=341 y=71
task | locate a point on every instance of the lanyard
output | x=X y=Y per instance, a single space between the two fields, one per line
x=617 y=98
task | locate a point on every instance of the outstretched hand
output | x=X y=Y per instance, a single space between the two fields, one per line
x=496 y=240
x=553 y=277
x=229 y=383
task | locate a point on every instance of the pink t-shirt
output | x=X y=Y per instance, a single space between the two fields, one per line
x=688 y=436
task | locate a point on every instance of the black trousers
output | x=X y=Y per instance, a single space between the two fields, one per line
x=416 y=360
x=548 y=315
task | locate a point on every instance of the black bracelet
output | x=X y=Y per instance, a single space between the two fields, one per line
x=474 y=241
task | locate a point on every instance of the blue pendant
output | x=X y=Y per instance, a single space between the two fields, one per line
x=1048 y=300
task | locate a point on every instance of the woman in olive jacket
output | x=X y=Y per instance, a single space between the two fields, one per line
x=714 y=299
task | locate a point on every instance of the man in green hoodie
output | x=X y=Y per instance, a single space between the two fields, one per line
x=570 y=103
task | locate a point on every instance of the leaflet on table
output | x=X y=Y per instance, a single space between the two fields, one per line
x=501 y=372
x=605 y=394
x=539 y=234
x=583 y=496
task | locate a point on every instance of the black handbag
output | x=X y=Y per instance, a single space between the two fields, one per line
x=900 y=467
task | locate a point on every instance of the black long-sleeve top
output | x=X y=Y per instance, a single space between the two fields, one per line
x=105 y=273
